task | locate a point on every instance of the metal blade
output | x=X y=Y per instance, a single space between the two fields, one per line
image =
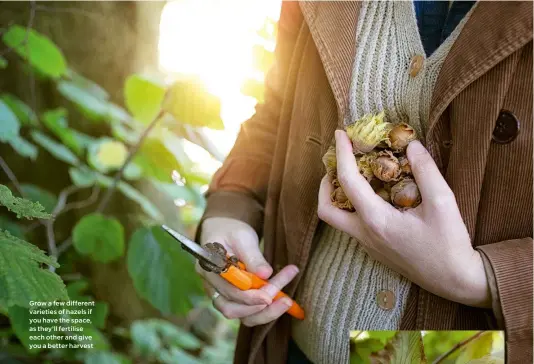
x=196 y=250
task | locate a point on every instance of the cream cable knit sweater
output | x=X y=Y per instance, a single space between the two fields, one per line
x=339 y=290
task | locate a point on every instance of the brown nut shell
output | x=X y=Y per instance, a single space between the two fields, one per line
x=364 y=165
x=405 y=194
x=382 y=192
x=400 y=136
x=386 y=166
x=405 y=165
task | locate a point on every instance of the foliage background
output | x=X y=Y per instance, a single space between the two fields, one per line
x=107 y=144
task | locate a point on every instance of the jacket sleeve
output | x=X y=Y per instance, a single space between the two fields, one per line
x=510 y=275
x=238 y=189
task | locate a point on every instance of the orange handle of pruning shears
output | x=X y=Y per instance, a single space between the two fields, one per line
x=244 y=280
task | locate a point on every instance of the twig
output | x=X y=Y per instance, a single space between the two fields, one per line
x=51 y=240
x=11 y=176
x=64 y=246
x=28 y=26
x=444 y=356
x=109 y=192
x=63 y=196
x=84 y=203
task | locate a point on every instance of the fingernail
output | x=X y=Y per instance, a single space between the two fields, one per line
x=287 y=301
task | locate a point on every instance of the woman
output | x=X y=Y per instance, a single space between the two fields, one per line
x=460 y=260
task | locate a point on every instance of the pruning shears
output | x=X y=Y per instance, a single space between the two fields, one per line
x=213 y=257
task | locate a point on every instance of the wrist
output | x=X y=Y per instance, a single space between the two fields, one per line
x=473 y=287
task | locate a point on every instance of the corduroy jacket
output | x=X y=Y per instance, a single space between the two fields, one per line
x=271 y=177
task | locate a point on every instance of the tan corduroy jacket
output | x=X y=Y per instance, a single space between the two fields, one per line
x=271 y=178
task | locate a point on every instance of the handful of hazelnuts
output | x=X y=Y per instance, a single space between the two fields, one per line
x=380 y=151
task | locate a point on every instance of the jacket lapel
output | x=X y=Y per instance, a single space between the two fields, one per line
x=495 y=30
x=333 y=28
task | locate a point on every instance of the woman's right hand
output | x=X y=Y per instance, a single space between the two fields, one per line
x=255 y=306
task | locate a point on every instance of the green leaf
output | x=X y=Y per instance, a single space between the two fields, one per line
x=189 y=102
x=362 y=349
x=59 y=151
x=254 y=89
x=107 y=155
x=156 y=262
x=12 y=227
x=91 y=106
x=37 y=194
x=405 y=347
x=105 y=357
x=82 y=177
x=87 y=85
x=177 y=355
x=478 y=348
x=56 y=121
x=263 y=59
x=155 y=160
x=9 y=124
x=21 y=207
x=20 y=322
x=99 y=313
x=143 y=98
x=21 y=278
x=438 y=342
x=3 y=62
x=99 y=237
x=127 y=190
x=24 y=148
x=24 y=113
x=124 y=133
x=154 y=336
x=37 y=49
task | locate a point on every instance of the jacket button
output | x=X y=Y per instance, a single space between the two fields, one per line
x=416 y=64
x=506 y=128
x=385 y=300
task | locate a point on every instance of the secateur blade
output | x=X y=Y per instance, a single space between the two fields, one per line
x=210 y=260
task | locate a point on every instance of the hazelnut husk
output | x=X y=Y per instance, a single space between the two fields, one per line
x=335 y=182
x=405 y=194
x=330 y=161
x=340 y=200
x=386 y=166
x=368 y=132
x=400 y=136
x=364 y=165
x=405 y=165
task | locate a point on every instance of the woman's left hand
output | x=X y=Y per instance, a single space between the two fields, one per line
x=429 y=244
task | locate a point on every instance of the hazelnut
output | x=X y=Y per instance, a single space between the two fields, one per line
x=405 y=165
x=340 y=200
x=382 y=192
x=400 y=136
x=405 y=194
x=368 y=132
x=386 y=166
x=330 y=162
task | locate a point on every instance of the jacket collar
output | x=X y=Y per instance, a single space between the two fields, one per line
x=493 y=31
x=332 y=25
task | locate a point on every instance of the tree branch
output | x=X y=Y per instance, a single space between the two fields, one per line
x=461 y=344
x=9 y=173
x=105 y=200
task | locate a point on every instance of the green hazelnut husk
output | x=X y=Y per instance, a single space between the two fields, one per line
x=400 y=135
x=340 y=200
x=368 y=132
x=330 y=161
x=405 y=194
x=386 y=166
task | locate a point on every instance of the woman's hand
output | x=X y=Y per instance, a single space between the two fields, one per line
x=429 y=244
x=255 y=306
